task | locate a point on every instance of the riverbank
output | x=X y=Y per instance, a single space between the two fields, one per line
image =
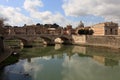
x=100 y=41
x=4 y=55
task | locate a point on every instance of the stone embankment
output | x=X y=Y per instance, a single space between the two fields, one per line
x=103 y=41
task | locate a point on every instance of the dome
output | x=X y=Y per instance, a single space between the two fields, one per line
x=81 y=24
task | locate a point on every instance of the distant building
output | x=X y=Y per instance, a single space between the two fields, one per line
x=107 y=28
x=119 y=31
x=81 y=25
x=20 y=30
x=34 y=29
x=81 y=30
x=68 y=30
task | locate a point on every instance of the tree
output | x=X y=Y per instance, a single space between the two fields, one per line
x=1 y=22
x=91 y=32
x=46 y=25
x=81 y=31
x=85 y=32
x=38 y=24
x=1 y=26
x=55 y=25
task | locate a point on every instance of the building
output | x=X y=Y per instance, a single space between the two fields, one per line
x=119 y=31
x=107 y=28
x=40 y=29
x=20 y=30
x=37 y=29
x=68 y=30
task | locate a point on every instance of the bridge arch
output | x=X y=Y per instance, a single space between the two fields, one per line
x=23 y=41
x=65 y=39
x=47 y=40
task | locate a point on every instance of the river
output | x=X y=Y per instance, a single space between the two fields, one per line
x=61 y=62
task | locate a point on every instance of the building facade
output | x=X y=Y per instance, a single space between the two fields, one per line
x=107 y=28
x=35 y=30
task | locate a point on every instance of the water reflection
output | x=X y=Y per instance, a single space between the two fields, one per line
x=84 y=68
x=106 y=61
x=65 y=63
x=58 y=46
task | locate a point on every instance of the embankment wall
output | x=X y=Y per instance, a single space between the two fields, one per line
x=105 y=41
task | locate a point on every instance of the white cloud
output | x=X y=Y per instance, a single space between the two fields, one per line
x=109 y=9
x=32 y=5
x=14 y=16
x=45 y=16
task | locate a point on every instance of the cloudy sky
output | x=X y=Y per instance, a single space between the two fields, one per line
x=62 y=12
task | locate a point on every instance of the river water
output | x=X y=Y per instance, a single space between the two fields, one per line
x=64 y=63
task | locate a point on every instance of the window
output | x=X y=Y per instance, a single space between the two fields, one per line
x=111 y=31
x=105 y=31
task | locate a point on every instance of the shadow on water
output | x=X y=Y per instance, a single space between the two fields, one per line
x=8 y=61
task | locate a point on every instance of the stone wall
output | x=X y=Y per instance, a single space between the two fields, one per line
x=106 y=41
x=79 y=39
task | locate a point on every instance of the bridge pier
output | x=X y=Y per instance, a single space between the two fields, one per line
x=69 y=42
x=27 y=44
x=1 y=44
x=48 y=42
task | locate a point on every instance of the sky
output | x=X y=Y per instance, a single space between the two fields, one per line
x=62 y=12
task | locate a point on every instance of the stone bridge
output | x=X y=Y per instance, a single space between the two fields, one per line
x=48 y=39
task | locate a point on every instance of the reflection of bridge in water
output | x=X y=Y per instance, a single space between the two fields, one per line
x=47 y=38
x=106 y=56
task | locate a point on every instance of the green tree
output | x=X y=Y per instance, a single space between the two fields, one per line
x=38 y=24
x=81 y=31
x=85 y=32
x=91 y=32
